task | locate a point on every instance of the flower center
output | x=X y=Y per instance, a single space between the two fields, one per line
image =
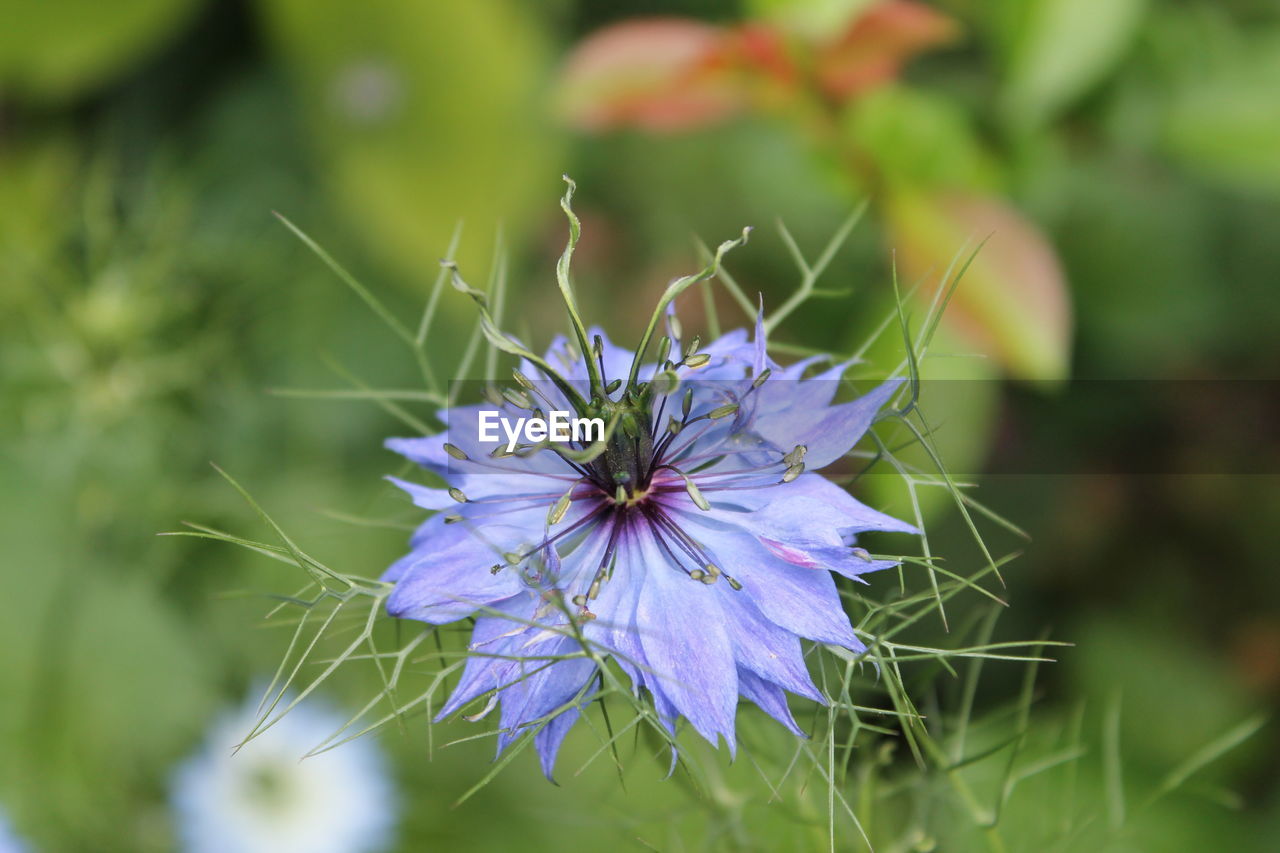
x=624 y=469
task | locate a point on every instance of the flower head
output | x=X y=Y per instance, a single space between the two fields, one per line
x=693 y=543
x=266 y=797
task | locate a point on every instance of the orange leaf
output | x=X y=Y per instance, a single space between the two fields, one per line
x=877 y=44
x=1012 y=304
x=656 y=74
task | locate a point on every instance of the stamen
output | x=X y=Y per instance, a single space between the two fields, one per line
x=662 y=543
x=603 y=571
x=694 y=494
x=666 y=381
x=550 y=540
x=517 y=398
x=682 y=539
x=560 y=507
x=597 y=349
x=455 y=451
x=664 y=349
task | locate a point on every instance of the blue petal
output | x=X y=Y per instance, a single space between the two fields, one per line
x=483 y=670
x=537 y=689
x=832 y=433
x=763 y=648
x=840 y=559
x=426 y=497
x=682 y=632
x=803 y=601
x=452 y=584
x=769 y=697
x=549 y=738
x=812 y=395
x=797 y=509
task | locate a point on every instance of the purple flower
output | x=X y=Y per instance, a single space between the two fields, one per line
x=694 y=544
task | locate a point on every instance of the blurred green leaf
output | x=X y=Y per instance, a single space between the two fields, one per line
x=1055 y=50
x=52 y=51
x=918 y=139
x=1223 y=116
x=960 y=400
x=424 y=113
x=35 y=183
x=102 y=678
x=813 y=18
x=1012 y=304
x=1177 y=698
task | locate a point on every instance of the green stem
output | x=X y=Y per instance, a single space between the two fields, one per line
x=566 y=290
x=673 y=290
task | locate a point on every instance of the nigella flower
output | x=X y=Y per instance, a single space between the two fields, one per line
x=267 y=797
x=694 y=544
x=9 y=843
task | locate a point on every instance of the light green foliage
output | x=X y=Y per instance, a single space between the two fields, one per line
x=412 y=153
x=1054 y=51
x=920 y=139
x=813 y=18
x=78 y=636
x=53 y=51
x=1221 y=117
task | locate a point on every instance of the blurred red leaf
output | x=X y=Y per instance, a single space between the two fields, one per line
x=673 y=74
x=659 y=74
x=877 y=44
x=1012 y=304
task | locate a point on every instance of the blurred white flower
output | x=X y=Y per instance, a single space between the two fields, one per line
x=266 y=797
x=368 y=92
x=9 y=842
